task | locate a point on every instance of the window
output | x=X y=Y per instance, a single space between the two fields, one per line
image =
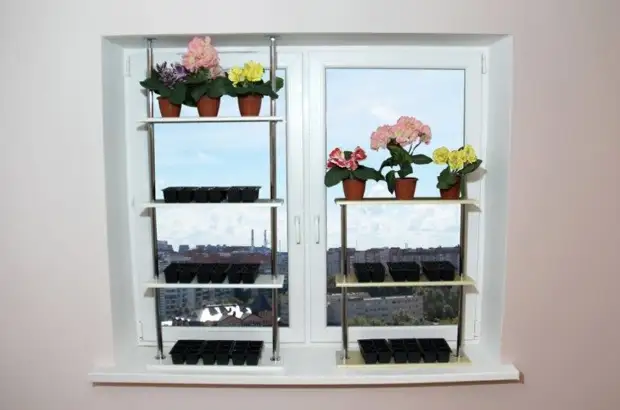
x=354 y=92
x=223 y=154
x=388 y=233
x=332 y=97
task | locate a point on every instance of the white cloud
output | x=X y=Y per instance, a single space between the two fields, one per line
x=385 y=113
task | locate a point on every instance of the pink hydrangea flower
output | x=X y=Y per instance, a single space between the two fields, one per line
x=381 y=137
x=201 y=54
x=407 y=131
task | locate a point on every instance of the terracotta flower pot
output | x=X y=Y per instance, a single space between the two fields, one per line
x=249 y=105
x=405 y=188
x=167 y=108
x=454 y=192
x=208 y=107
x=353 y=189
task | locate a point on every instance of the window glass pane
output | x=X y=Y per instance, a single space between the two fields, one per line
x=357 y=102
x=222 y=155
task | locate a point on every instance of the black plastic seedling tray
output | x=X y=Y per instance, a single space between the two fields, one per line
x=217 y=194
x=201 y=194
x=217 y=352
x=439 y=270
x=211 y=272
x=243 y=193
x=404 y=271
x=185 y=272
x=404 y=350
x=369 y=272
x=211 y=194
x=170 y=194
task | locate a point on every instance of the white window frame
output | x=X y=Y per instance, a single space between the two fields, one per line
x=138 y=193
x=412 y=57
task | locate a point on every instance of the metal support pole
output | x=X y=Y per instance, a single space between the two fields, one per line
x=462 y=264
x=344 y=268
x=273 y=194
x=151 y=138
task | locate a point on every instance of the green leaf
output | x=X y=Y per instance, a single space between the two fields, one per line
x=218 y=87
x=279 y=83
x=390 y=179
x=336 y=175
x=471 y=167
x=399 y=154
x=365 y=173
x=198 y=91
x=178 y=94
x=421 y=159
x=153 y=84
x=446 y=179
x=387 y=163
x=164 y=92
x=405 y=169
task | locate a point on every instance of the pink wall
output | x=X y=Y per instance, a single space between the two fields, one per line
x=563 y=209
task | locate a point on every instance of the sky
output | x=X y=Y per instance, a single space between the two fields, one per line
x=357 y=101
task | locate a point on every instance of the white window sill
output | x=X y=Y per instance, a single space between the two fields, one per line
x=300 y=366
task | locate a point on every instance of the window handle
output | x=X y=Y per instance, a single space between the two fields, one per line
x=297 y=230
x=317 y=225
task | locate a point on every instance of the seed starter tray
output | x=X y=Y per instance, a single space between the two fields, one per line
x=184 y=272
x=207 y=194
x=369 y=272
x=404 y=271
x=404 y=350
x=217 y=352
x=439 y=270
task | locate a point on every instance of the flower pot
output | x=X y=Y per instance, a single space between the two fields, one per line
x=168 y=109
x=454 y=192
x=353 y=189
x=249 y=105
x=208 y=107
x=405 y=188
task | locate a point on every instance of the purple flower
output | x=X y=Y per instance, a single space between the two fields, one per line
x=171 y=75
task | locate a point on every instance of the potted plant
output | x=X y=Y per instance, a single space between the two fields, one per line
x=344 y=166
x=248 y=86
x=459 y=163
x=402 y=139
x=206 y=80
x=169 y=81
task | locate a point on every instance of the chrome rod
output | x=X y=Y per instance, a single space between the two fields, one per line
x=273 y=194
x=151 y=133
x=461 y=271
x=344 y=268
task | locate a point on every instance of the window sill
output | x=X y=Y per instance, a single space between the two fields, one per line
x=301 y=366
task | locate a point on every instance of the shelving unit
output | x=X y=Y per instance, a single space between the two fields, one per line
x=353 y=359
x=273 y=281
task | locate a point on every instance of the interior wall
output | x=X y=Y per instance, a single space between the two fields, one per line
x=563 y=229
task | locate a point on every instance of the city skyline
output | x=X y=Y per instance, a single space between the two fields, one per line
x=197 y=154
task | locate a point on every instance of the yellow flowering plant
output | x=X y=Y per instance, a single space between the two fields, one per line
x=249 y=80
x=459 y=162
